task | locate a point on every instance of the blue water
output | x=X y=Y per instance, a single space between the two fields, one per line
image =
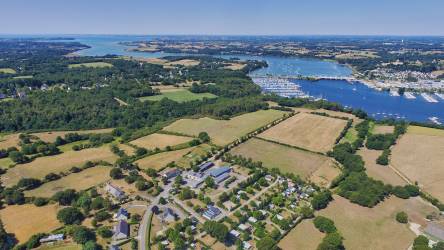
x=377 y=104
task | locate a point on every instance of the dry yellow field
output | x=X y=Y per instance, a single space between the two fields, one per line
x=379 y=172
x=376 y=228
x=184 y=62
x=79 y=181
x=160 y=141
x=417 y=130
x=313 y=132
x=27 y=220
x=304 y=236
x=127 y=149
x=307 y=165
x=383 y=129
x=158 y=161
x=223 y=132
x=419 y=156
x=51 y=136
x=42 y=166
x=235 y=66
x=7 y=141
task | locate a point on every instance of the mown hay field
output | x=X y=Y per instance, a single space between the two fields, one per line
x=160 y=141
x=78 y=181
x=313 y=132
x=307 y=165
x=376 y=228
x=383 y=129
x=304 y=236
x=160 y=160
x=419 y=156
x=7 y=71
x=178 y=95
x=91 y=65
x=26 y=220
x=223 y=132
x=42 y=166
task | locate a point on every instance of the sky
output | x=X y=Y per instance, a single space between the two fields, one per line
x=223 y=17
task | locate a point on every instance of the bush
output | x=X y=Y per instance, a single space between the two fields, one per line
x=380 y=141
x=383 y=159
x=116 y=173
x=402 y=217
x=70 y=215
x=40 y=201
x=81 y=235
x=320 y=200
x=102 y=215
x=105 y=232
x=331 y=241
x=324 y=224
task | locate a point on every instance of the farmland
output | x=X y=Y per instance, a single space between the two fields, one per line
x=77 y=181
x=42 y=166
x=27 y=220
x=313 y=132
x=379 y=172
x=91 y=65
x=289 y=160
x=178 y=95
x=376 y=228
x=303 y=236
x=159 y=141
x=7 y=71
x=418 y=155
x=158 y=161
x=383 y=129
x=223 y=132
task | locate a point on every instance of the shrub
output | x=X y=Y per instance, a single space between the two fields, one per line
x=402 y=217
x=70 y=215
x=40 y=201
x=324 y=224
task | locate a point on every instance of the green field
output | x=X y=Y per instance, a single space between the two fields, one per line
x=91 y=65
x=7 y=71
x=5 y=162
x=180 y=95
x=23 y=77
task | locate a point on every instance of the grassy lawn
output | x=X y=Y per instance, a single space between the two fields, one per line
x=351 y=135
x=304 y=236
x=179 y=95
x=91 y=65
x=61 y=246
x=160 y=160
x=23 y=77
x=68 y=147
x=7 y=71
x=223 y=132
x=6 y=162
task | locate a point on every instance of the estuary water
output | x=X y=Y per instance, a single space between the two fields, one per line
x=357 y=95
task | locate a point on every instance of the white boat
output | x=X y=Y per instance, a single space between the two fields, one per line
x=428 y=98
x=435 y=120
x=440 y=95
x=409 y=95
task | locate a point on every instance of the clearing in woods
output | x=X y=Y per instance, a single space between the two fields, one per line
x=178 y=95
x=91 y=65
x=7 y=71
x=376 y=227
x=304 y=236
x=383 y=129
x=160 y=141
x=318 y=168
x=223 y=132
x=26 y=220
x=78 y=181
x=42 y=166
x=313 y=132
x=419 y=156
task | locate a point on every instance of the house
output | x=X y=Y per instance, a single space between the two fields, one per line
x=121 y=230
x=435 y=230
x=122 y=214
x=205 y=166
x=171 y=173
x=114 y=191
x=211 y=212
x=252 y=220
x=269 y=178
x=244 y=227
x=53 y=237
x=44 y=87
x=219 y=171
x=246 y=245
x=279 y=217
x=235 y=233
x=114 y=247
x=168 y=215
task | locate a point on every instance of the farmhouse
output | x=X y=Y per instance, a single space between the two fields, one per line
x=171 y=173
x=114 y=191
x=211 y=212
x=168 y=215
x=121 y=230
x=121 y=214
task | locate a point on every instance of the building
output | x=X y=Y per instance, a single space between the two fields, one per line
x=221 y=178
x=244 y=227
x=219 y=171
x=235 y=233
x=171 y=173
x=194 y=176
x=252 y=220
x=53 y=237
x=114 y=247
x=435 y=230
x=121 y=230
x=122 y=214
x=168 y=215
x=211 y=212
x=2 y=96
x=205 y=166
x=246 y=245
x=114 y=191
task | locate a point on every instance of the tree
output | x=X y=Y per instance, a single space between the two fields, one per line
x=5 y=239
x=332 y=241
x=81 y=235
x=17 y=157
x=324 y=224
x=40 y=201
x=70 y=215
x=105 y=232
x=307 y=212
x=151 y=172
x=266 y=243
x=91 y=245
x=209 y=181
x=29 y=183
x=402 y=217
x=65 y=197
x=204 y=137
x=321 y=199
x=116 y=173
x=216 y=230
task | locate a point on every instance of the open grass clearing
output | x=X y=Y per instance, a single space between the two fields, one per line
x=304 y=236
x=376 y=228
x=26 y=220
x=179 y=95
x=223 y=132
x=313 y=132
x=193 y=155
x=419 y=156
x=6 y=162
x=91 y=65
x=8 y=141
x=7 y=71
x=61 y=246
x=160 y=141
x=383 y=129
x=235 y=66
x=379 y=172
x=23 y=77
x=307 y=165
x=160 y=160
x=78 y=181
x=42 y=166
x=183 y=62
x=52 y=135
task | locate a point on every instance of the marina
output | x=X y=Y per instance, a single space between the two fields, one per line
x=428 y=98
x=279 y=86
x=409 y=95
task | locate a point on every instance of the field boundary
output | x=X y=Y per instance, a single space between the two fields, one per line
x=291 y=146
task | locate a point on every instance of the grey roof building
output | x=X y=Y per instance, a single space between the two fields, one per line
x=114 y=191
x=436 y=230
x=121 y=230
x=219 y=171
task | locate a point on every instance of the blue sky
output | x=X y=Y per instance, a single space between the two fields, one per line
x=212 y=17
